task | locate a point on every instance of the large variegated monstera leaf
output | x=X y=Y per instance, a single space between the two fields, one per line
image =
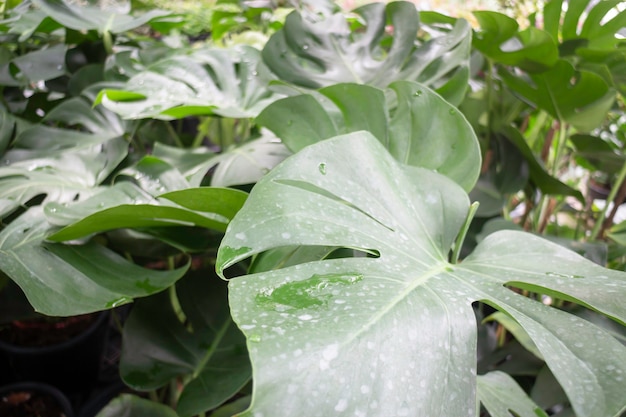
x=395 y=334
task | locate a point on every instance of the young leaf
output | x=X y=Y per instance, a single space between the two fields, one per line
x=330 y=322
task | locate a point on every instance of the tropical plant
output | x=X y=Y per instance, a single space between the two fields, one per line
x=329 y=176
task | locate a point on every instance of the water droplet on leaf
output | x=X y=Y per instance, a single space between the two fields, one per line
x=312 y=292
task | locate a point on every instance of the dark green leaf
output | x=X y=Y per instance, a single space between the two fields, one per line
x=212 y=356
x=127 y=405
x=580 y=98
x=532 y=50
x=64 y=280
x=41 y=65
x=538 y=174
x=598 y=153
x=208 y=212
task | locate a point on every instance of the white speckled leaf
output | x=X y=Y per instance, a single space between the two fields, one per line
x=396 y=335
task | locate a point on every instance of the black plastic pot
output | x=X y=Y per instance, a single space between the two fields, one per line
x=71 y=366
x=29 y=395
x=98 y=401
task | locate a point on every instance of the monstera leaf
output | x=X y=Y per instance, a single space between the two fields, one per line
x=64 y=159
x=584 y=23
x=228 y=83
x=40 y=65
x=315 y=54
x=590 y=34
x=64 y=280
x=393 y=333
x=85 y=17
x=581 y=98
x=499 y=38
x=416 y=125
x=211 y=358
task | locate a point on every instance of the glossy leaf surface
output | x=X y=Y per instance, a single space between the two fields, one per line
x=212 y=356
x=500 y=395
x=531 y=49
x=323 y=320
x=416 y=125
x=211 y=208
x=318 y=53
x=581 y=98
x=87 y=17
x=40 y=65
x=64 y=280
x=66 y=162
x=596 y=24
x=205 y=81
x=127 y=405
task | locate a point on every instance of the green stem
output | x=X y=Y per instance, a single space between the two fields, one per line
x=203 y=131
x=490 y=99
x=173 y=393
x=117 y=321
x=618 y=184
x=540 y=216
x=211 y=350
x=461 y=237
x=533 y=133
x=154 y=396
x=560 y=146
x=107 y=40
x=174 y=135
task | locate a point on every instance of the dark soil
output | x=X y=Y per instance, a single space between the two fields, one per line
x=45 y=331
x=29 y=404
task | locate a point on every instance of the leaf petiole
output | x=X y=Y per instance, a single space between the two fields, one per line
x=463 y=232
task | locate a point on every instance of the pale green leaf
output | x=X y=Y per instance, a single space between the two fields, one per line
x=417 y=126
x=501 y=395
x=327 y=318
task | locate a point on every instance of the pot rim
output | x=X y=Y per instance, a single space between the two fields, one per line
x=11 y=348
x=34 y=386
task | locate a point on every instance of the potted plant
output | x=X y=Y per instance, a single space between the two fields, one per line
x=365 y=234
x=33 y=399
x=63 y=352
